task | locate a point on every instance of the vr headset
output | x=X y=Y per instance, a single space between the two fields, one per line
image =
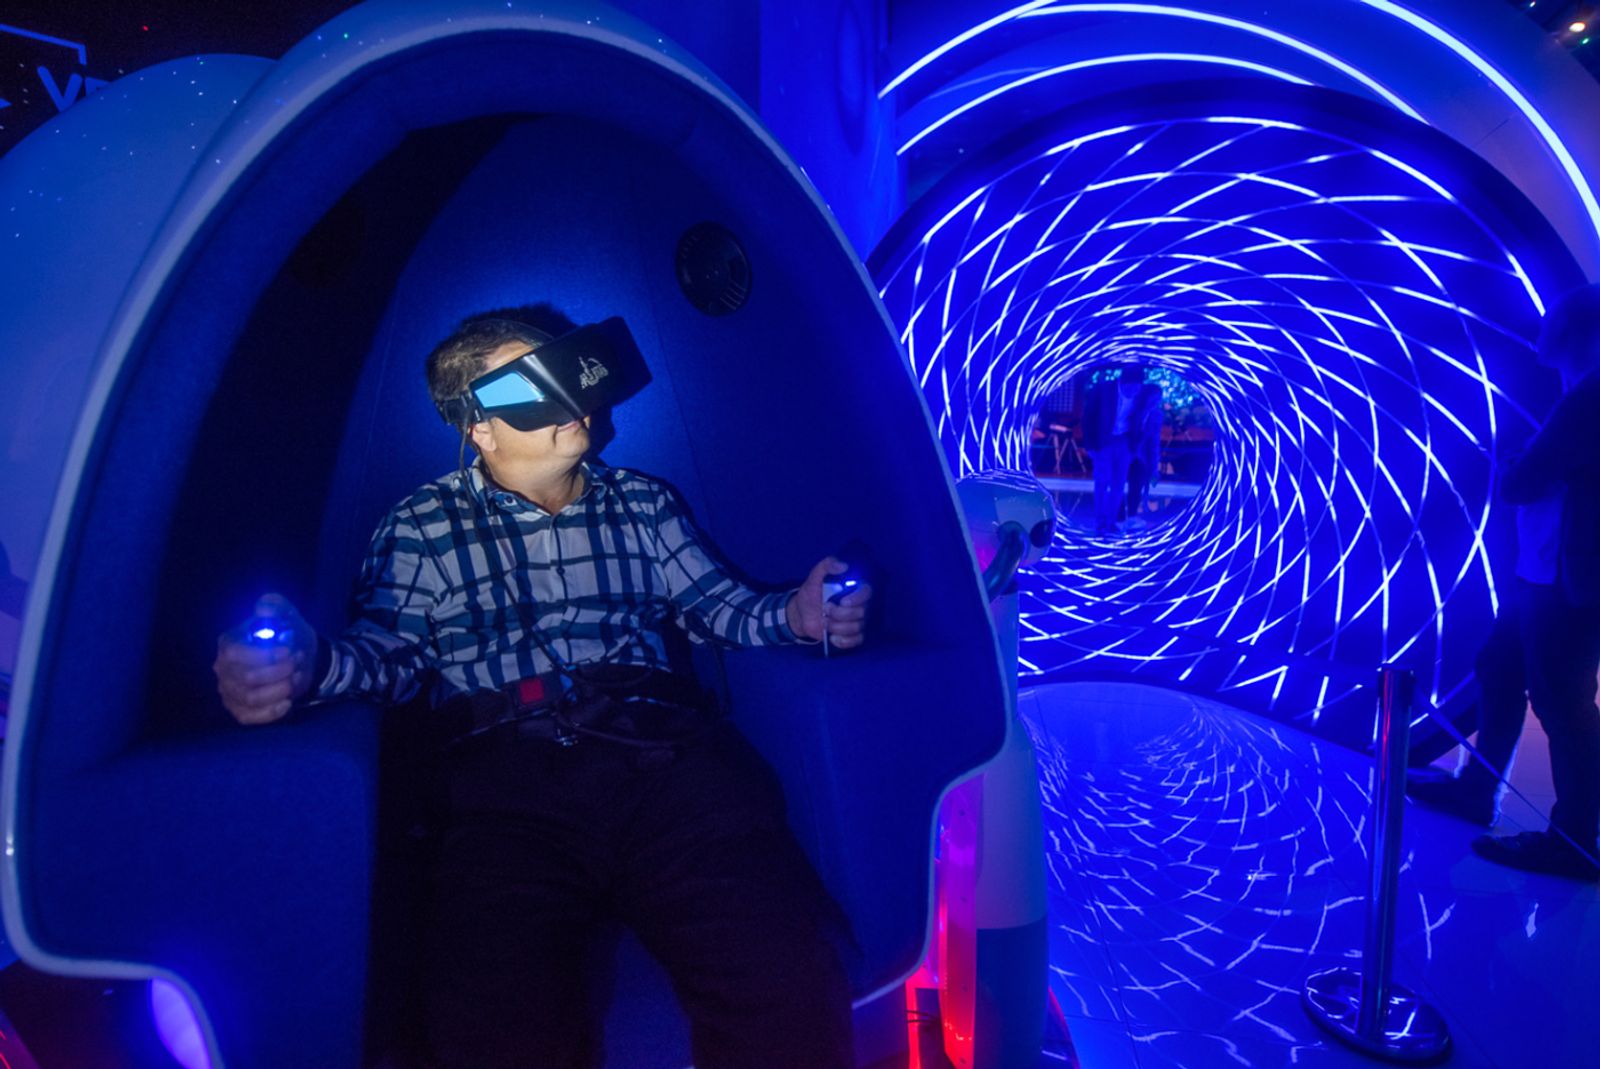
x=564 y=379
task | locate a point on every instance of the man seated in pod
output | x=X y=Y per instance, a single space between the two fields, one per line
x=530 y=595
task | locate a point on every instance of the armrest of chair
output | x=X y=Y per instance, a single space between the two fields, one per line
x=241 y=860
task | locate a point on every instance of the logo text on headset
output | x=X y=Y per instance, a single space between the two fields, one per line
x=593 y=372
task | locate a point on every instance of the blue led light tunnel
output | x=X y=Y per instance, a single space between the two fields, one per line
x=1353 y=294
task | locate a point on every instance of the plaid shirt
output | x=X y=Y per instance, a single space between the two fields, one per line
x=455 y=579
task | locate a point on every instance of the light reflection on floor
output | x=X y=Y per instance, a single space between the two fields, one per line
x=1203 y=862
x=1074 y=501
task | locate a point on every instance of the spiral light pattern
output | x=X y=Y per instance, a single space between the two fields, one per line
x=1361 y=332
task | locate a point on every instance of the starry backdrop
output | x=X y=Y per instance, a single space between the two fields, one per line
x=55 y=52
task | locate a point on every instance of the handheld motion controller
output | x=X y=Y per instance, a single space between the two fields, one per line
x=835 y=588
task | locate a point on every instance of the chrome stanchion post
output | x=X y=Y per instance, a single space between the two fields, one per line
x=1395 y=691
x=1367 y=1010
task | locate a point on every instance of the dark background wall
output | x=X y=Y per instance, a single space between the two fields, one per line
x=810 y=68
x=54 y=51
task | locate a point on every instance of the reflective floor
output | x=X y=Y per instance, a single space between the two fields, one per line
x=1074 y=501
x=1203 y=862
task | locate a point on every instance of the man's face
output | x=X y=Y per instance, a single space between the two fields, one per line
x=496 y=437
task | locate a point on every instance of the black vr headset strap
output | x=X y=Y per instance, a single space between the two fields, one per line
x=461 y=412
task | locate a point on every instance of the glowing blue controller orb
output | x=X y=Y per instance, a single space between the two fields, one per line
x=1353 y=296
x=858 y=569
x=264 y=631
x=833 y=590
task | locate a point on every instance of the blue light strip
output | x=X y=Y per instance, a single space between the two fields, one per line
x=1038 y=9
x=1547 y=133
x=1044 y=8
x=1098 y=61
x=1350 y=322
x=955 y=43
x=1254 y=29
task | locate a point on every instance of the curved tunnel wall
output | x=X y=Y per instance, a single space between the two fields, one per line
x=1481 y=73
x=1353 y=295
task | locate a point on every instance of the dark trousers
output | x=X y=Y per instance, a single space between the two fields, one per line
x=1138 y=482
x=1561 y=655
x=1110 y=473
x=547 y=846
x=1502 y=678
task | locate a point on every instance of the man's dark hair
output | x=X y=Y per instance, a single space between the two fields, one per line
x=460 y=358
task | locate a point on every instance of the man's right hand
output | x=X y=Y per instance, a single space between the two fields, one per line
x=259 y=681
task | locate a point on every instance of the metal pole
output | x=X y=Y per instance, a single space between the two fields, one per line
x=1368 y=1011
x=1395 y=691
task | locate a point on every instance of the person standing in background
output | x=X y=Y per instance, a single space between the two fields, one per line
x=1144 y=463
x=1555 y=484
x=1111 y=415
x=1500 y=672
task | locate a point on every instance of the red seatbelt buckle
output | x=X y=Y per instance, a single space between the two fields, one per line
x=531 y=692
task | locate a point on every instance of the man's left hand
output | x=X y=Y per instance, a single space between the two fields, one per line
x=844 y=620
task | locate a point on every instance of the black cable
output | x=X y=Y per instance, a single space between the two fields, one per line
x=1007 y=559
